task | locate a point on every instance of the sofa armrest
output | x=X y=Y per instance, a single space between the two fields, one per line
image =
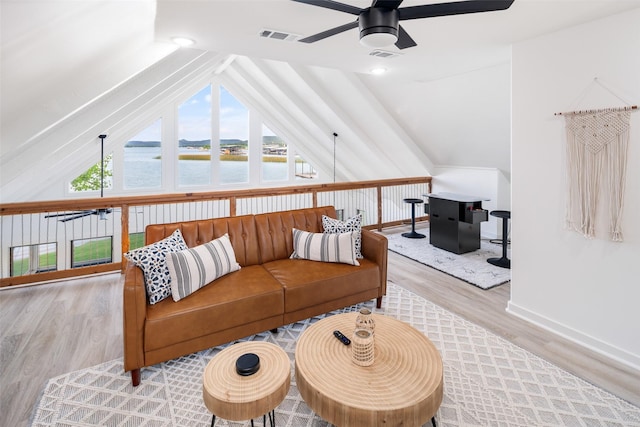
x=374 y=248
x=134 y=312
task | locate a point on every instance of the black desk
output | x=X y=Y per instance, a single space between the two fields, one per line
x=454 y=221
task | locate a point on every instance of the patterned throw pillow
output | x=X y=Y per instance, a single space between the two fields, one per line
x=325 y=247
x=332 y=226
x=194 y=268
x=152 y=259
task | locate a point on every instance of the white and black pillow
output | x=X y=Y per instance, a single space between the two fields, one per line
x=194 y=268
x=325 y=247
x=152 y=259
x=332 y=226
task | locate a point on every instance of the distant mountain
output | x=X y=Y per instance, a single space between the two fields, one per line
x=273 y=140
x=187 y=143
x=142 y=144
x=224 y=142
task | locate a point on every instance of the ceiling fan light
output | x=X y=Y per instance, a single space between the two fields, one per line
x=378 y=40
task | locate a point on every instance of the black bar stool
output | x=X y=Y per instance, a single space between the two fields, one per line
x=503 y=262
x=413 y=234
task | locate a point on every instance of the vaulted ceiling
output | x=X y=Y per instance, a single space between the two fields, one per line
x=71 y=70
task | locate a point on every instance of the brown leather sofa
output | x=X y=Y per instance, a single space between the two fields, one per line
x=270 y=290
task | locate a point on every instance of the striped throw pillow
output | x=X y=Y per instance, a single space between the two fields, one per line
x=194 y=268
x=325 y=247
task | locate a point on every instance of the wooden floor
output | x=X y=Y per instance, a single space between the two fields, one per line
x=52 y=329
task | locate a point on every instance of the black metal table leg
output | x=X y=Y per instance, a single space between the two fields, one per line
x=272 y=419
x=433 y=421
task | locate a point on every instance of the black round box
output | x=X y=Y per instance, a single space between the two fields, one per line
x=247 y=364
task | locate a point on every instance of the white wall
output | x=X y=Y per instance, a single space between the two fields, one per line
x=461 y=120
x=588 y=290
x=59 y=55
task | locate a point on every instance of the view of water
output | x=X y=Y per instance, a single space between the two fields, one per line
x=142 y=169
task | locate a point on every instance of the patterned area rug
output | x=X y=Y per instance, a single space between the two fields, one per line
x=471 y=267
x=487 y=382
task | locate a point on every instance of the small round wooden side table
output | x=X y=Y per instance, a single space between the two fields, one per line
x=235 y=397
x=403 y=386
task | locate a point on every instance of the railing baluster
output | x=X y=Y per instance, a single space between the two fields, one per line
x=21 y=224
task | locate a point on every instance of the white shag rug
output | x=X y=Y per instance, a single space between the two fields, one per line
x=471 y=267
x=487 y=382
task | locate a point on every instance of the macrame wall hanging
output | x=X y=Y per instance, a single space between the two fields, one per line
x=597 y=142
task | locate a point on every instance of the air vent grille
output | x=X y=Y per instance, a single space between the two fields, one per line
x=383 y=54
x=278 y=35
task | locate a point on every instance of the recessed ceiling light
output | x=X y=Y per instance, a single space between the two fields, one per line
x=182 y=41
x=379 y=70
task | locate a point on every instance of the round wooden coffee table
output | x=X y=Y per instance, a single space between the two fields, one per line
x=235 y=397
x=404 y=386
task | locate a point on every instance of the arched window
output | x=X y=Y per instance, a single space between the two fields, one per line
x=142 y=160
x=234 y=139
x=274 y=157
x=194 y=139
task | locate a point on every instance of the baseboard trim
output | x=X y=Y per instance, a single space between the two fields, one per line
x=599 y=346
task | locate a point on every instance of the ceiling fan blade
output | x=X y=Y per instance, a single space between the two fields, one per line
x=80 y=215
x=66 y=214
x=329 y=33
x=386 y=4
x=454 y=8
x=404 y=39
x=334 y=5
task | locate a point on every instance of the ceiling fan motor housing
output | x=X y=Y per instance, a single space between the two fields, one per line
x=378 y=20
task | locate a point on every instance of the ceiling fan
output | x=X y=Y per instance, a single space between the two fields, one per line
x=70 y=216
x=380 y=26
x=102 y=212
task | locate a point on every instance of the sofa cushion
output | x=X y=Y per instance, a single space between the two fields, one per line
x=191 y=269
x=310 y=283
x=274 y=230
x=241 y=231
x=334 y=226
x=152 y=260
x=244 y=296
x=325 y=247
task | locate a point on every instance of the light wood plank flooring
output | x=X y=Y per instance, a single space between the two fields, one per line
x=60 y=327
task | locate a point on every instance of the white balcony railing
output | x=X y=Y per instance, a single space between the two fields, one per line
x=50 y=240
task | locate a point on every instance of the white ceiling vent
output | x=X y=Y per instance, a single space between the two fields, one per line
x=383 y=54
x=278 y=35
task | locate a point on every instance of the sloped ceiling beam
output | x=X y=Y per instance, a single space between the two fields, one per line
x=66 y=147
x=312 y=107
x=281 y=119
x=335 y=95
x=309 y=103
x=411 y=154
x=312 y=100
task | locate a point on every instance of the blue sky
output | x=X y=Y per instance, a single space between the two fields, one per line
x=195 y=123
